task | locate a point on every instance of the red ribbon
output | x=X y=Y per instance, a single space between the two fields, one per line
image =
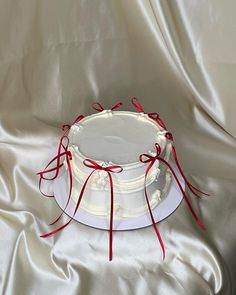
x=66 y=127
x=151 y=159
x=192 y=188
x=62 y=151
x=98 y=107
x=60 y=154
x=95 y=166
x=154 y=116
x=169 y=136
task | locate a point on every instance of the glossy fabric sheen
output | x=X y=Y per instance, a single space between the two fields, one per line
x=178 y=58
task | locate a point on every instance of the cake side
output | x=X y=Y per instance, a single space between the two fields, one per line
x=129 y=198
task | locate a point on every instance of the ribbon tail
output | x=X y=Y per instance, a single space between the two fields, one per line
x=69 y=195
x=50 y=170
x=55 y=230
x=44 y=178
x=119 y=104
x=97 y=107
x=76 y=208
x=192 y=188
x=41 y=177
x=56 y=168
x=151 y=215
x=58 y=218
x=137 y=105
x=157 y=119
x=111 y=217
x=184 y=195
x=39 y=186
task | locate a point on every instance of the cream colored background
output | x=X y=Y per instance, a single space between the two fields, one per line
x=178 y=58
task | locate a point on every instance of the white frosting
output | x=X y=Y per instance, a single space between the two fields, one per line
x=116 y=136
x=119 y=138
x=125 y=206
x=100 y=180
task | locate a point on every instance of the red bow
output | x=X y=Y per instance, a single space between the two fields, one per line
x=95 y=166
x=98 y=107
x=151 y=160
x=154 y=116
x=56 y=168
x=169 y=136
x=66 y=127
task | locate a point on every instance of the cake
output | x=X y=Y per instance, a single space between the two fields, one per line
x=118 y=167
x=118 y=138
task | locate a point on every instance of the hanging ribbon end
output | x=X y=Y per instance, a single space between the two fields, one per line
x=163 y=255
x=196 y=191
x=203 y=227
x=137 y=105
x=44 y=235
x=205 y=194
x=55 y=221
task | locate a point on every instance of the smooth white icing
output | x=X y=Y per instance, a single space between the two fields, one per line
x=100 y=180
x=125 y=206
x=119 y=138
x=116 y=136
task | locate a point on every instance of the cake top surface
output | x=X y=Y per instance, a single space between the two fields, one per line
x=116 y=136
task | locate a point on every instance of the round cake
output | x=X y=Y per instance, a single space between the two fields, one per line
x=118 y=138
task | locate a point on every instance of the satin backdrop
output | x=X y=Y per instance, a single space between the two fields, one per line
x=178 y=58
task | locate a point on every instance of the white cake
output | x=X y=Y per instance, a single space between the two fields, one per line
x=118 y=138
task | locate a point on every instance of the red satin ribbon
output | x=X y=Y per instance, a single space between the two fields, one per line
x=95 y=166
x=192 y=188
x=66 y=127
x=60 y=154
x=98 y=107
x=62 y=151
x=169 y=136
x=151 y=159
x=154 y=116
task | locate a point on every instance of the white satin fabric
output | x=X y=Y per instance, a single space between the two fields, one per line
x=178 y=58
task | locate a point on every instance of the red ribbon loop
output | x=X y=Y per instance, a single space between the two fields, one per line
x=150 y=158
x=62 y=151
x=66 y=127
x=138 y=106
x=154 y=116
x=98 y=107
x=146 y=158
x=95 y=166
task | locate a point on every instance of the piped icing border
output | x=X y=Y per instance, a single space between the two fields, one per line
x=160 y=134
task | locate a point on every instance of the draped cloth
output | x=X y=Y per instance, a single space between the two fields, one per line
x=56 y=59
